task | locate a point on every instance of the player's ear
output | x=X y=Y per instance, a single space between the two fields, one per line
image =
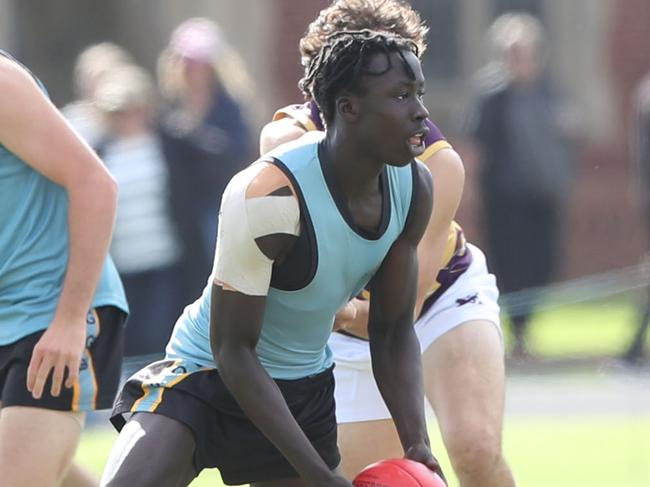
x=348 y=107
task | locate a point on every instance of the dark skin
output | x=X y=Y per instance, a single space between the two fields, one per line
x=368 y=130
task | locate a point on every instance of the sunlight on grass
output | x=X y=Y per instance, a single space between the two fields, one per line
x=585 y=451
x=543 y=451
x=595 y=329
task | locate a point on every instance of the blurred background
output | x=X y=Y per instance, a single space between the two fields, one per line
x=596 y=52
x=575 y=321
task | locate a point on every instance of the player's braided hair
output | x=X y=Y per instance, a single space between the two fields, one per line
x=394 y=16
x=344 y=59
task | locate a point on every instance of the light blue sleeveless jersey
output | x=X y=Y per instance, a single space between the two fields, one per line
x=34 y=251
x=298 y=323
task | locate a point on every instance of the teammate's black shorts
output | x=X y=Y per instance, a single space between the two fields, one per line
x=225 y=437
x=99 y=372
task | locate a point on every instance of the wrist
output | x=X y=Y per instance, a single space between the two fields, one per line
x=66 y=317
x=417 y=445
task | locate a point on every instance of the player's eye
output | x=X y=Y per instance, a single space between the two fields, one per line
x=403 y=96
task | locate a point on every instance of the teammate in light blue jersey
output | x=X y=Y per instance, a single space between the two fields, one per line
x=62 y=306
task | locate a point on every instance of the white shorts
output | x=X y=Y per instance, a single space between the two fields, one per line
x=472 y=297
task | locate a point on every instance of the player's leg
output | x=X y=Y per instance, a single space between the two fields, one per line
x=365 y=442
x=464 y=381
x=101 y=366
x=294 y=482
x=51 y=426
x=463 y=364
x=169 y=421
x=151 y=450
x=32 y=437
x=366 y=432
x=77 y=476
x=286 y=482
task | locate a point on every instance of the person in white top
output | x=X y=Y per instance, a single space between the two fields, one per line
x=145 y=245
x=91 y=65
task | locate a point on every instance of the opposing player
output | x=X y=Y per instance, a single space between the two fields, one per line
x=247 y=383
x=60 y=340
x=458 y=315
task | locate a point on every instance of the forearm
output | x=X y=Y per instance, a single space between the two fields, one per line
x=91 y=213
x=430 y=259
x=263 y=403
x=397 y=367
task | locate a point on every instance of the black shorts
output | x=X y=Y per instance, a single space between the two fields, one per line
x=225 y=438
x=99 y=372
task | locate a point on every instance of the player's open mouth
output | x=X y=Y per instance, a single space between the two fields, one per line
x=416 y=143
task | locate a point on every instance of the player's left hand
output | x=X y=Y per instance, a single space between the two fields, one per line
x=422 y=453
x=60 y=348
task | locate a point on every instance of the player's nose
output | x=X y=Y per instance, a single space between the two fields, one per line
x=420 y=112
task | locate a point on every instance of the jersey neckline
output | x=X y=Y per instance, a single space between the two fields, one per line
x=339 y=201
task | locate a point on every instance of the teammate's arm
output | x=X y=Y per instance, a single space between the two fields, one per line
x=32 y=128
x=278 y=132
x=238 y=303
x=448 y=174
x=394 y=347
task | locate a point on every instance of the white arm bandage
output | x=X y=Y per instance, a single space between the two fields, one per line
x=239 y=262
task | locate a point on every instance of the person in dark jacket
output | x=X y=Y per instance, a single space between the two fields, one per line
x=205 y=137
x=519 y=125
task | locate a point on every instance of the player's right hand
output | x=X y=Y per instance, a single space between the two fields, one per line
x=422 y=453
x=60 y=348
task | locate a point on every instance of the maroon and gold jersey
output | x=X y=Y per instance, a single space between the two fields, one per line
x=457 y=256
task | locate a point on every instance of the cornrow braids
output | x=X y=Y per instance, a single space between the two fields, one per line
x=344 y=59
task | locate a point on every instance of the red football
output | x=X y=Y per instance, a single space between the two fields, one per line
x=397 y=472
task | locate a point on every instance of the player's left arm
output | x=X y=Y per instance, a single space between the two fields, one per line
x=394 y=347
x=33 y=129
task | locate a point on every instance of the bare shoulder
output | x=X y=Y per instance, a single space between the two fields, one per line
x=15 y=82
x=445 y=161
x=446 y=165
x=278 y=132
x=9 y=69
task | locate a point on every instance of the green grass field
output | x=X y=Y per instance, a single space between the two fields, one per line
x=543 y=452
x=602 y=328
x=567 y=451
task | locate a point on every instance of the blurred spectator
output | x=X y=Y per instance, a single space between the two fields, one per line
x=91 y=65
x=145 y=246
x=205 y=136
x=640 y=142
x=640 y=150
x=520 y=128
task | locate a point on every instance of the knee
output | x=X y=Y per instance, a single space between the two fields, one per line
x=475 y=452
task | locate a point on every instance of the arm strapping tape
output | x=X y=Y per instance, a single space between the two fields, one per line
x=239 y=262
